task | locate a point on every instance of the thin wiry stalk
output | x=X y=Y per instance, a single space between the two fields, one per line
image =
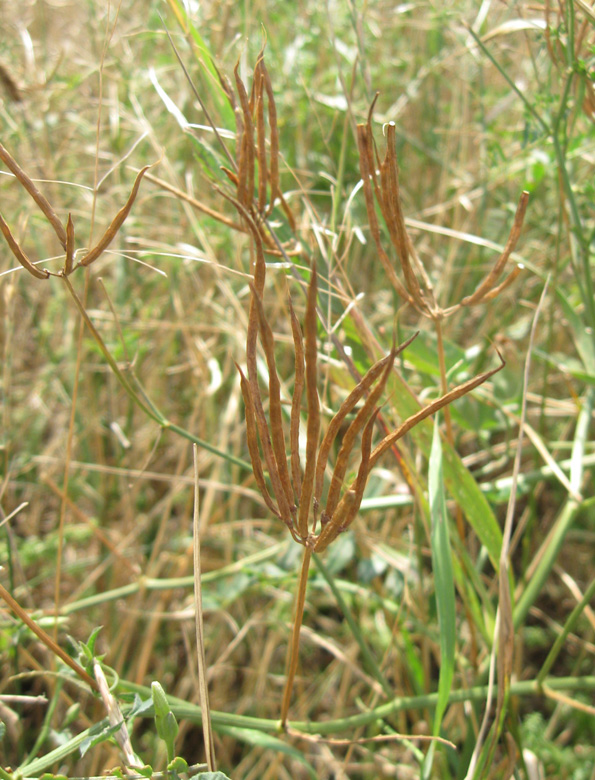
x=69 y=259
x=294 y=646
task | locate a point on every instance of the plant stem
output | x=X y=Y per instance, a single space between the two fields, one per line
x=294 y=647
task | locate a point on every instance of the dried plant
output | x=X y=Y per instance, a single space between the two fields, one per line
x=65 y=235
x=294 y=494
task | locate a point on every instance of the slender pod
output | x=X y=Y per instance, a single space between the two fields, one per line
x=488 y=283
x=251 y=436
x=40 y=199
x=116 y=223
x=275 y=414
x=313 y=425
x=296 y=401
x=39 y=273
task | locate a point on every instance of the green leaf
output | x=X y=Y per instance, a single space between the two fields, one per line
x=267 y=742
x=98 y=734
x=165 y=721
x=583 y=340
x=205 y=59
x=178 y=765
x=211 y=776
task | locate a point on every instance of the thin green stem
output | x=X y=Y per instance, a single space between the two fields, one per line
x=146 y=406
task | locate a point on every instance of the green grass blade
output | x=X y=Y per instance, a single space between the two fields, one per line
x=457 y=480
x=444 y=588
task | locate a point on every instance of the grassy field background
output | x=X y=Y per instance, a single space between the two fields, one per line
x=405 y=611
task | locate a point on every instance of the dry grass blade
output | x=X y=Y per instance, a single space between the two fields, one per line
x=351 y=434
x=116 y=223
x=46 y=638
x=296 y=401
x=366 y=162
x=431 y=409
x=251 y=436
x=488 y=283
x=19 y=254
x=313 y=428
x=350 y=503
x=275 y=414
x=40 y=199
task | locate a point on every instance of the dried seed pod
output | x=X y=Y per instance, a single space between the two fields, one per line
x=275 y=413
x=335 y=424
x=39 y=273
x=69 y=260
x=245 y=142
x=261 y=157
x=429 y=410
x=313 y=425
x=489 y=282
x=116 y=223
x=351 y=501
x=351 y=434
x=252 y=439
x=367 y=172
x=40 y=199
x=346 y=407
x=296 y=401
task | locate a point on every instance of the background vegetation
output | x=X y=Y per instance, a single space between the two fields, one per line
x=488 y=100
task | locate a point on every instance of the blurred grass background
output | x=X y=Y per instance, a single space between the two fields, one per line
x=89 y=95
